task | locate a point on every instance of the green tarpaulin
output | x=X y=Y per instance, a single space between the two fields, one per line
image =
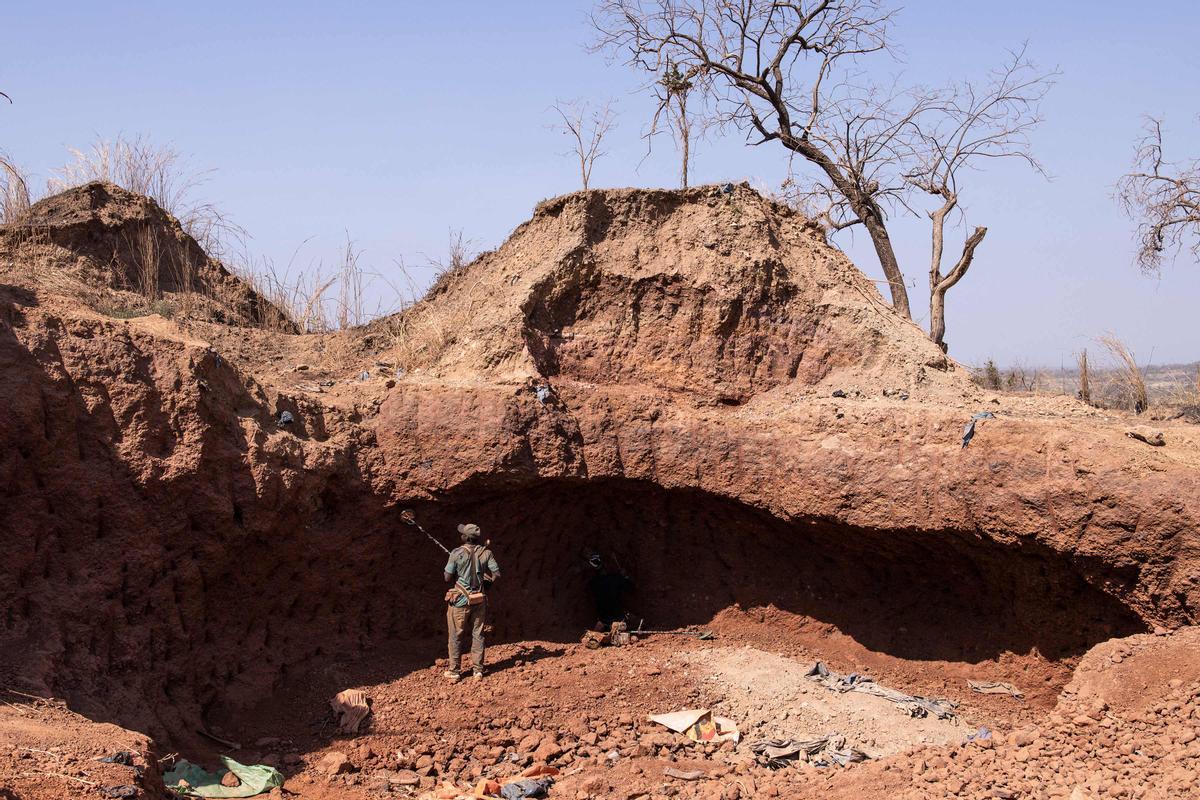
x=202 y=783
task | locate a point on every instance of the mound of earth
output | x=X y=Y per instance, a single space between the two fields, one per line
x=712 y=293
x=691 y=383
x=119 y=251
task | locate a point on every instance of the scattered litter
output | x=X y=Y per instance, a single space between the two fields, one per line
x=527 y=787
x=914 y=705
x=821 y=752
x=122 y=757
x=1150 y=436
x=983 y=734
x=690 y=775
x=969 y=431
x=190 y=779
x=286 y=418
x=543 y=393
x=119 y=791
x=699 y=725
x=616 y=636
x=995 y=687
x=364 y=375
x=350 y=707
x=726 y=188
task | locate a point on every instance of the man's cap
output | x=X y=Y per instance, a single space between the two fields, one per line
x=469 y=529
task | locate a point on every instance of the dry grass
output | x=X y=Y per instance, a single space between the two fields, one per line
x=1129 y=379
x=422 y=332
x=15 y=198
x=157 y=171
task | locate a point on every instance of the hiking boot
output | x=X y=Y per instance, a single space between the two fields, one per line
x=452 y=676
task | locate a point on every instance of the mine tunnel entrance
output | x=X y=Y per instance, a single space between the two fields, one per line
x=345 y=588
x=940 y=595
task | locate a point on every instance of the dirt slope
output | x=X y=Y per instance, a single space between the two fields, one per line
x=648 y=373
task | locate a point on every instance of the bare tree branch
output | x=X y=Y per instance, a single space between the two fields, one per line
x=587 y=128
x=1163 y=198
x=758 y=66
x=956 y=128
x=788 y=71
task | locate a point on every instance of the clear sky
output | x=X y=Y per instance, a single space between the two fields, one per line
x=401 y=121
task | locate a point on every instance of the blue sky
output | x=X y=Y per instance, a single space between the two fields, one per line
x=399 y=122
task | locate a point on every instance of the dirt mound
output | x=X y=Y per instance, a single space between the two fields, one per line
x=607 y=380
x=721 y=293
x=120 y=252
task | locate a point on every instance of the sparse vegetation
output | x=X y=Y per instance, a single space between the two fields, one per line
x=159 y=172
x=586 y=127
x=1129 y=380
x=990 y=378
x=15 y=197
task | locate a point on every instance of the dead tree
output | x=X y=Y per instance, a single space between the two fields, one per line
x=784 y=71
x=1163 y=198
x=672 y=91
x=761 y=66
x=587 y=128
x=951 y=132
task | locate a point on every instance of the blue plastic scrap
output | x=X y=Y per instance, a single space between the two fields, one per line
x=969 y=431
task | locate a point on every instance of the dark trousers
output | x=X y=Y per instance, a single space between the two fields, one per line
x=459 y=621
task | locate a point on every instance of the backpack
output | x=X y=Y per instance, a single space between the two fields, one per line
x=457 y=590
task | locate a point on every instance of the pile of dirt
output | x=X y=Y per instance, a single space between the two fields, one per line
x=120 y=253
x=709 y=291
x=690 y=382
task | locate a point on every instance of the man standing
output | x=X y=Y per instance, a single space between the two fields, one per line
x=471 y=568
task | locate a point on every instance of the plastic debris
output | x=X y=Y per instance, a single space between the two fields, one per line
x=527 y=787
x=821 y=752
x=983 y=734
x=123 y=757
x=350 y=707
x=914 y=705
x=969 y=430
x=193 y=780
x=699 y=725
x=286 y=418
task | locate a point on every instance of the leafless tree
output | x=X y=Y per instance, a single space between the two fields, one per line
x=1163 y=197
x=762 y=66
x=587 y=128
x=672 y=91
x=787 y=71
x=953 y=131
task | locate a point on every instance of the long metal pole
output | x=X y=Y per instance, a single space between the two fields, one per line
x=408 y=517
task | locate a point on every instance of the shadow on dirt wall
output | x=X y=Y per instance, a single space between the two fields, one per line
x=153 y=599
